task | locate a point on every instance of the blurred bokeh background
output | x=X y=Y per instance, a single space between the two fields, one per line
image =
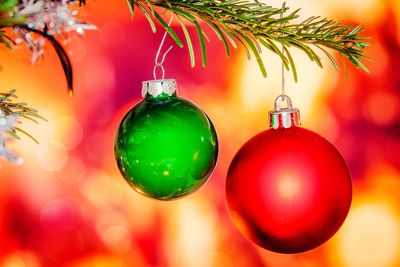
x=68 y=205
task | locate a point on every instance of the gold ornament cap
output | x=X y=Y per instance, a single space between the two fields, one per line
x=284 y=117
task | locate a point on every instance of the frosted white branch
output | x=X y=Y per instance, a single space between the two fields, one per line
x=6 y=124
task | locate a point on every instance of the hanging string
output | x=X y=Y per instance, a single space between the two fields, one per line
x=159 y=64
x=283 y=66
x=283 y=74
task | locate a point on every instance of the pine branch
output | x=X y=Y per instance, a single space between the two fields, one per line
x=252 y=24
x=20 y=110
x=248 y=22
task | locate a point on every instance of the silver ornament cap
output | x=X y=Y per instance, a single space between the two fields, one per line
x=284 y=117
x=158 y=87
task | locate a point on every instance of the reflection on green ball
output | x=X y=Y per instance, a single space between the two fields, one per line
x=166 y=147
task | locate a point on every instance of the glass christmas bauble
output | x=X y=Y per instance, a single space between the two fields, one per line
x=288 y=189
x=166 y=147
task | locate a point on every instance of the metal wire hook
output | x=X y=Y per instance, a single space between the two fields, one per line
x=159 y=64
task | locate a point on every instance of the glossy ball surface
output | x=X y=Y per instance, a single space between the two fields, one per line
x=288 y=190
x=166 y=147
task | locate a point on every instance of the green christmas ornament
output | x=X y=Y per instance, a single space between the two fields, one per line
x=166 y=147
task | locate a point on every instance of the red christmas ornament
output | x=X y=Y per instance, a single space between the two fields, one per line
x=288 y=189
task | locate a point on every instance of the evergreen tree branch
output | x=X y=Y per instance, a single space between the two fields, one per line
x=252 y=24
x=248 y=22
x=19 y=109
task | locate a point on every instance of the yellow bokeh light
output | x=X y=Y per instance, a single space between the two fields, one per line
x=194 y=234
x=52 y=155
x=118 y=239
x=67 y=130
x=20 y=259
x=370 y=237
x=259 y=93
x=96 y=185
x=358 y=10
x=13 y=261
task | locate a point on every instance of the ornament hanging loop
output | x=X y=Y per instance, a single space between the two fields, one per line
x=284 y=117
x=159 y=64
x=280 y=99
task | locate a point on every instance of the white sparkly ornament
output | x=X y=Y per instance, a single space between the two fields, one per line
x=50 y=17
